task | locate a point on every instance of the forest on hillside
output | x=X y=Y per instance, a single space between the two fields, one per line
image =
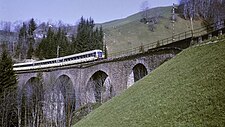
x=210 y=11
x=41 y=41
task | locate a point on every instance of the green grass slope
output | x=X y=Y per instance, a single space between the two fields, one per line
x=188 y=90
x=129 y=32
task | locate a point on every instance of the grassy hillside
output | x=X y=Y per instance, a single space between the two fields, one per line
x=130 y=32
x=188 y=90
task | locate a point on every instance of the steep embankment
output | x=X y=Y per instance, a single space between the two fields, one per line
x=188 y=90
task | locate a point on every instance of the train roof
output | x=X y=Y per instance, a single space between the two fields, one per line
x=83 y=53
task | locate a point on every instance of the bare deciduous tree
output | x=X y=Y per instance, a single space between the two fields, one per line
x=8 y=108
x=144 y=9
x=211 y=11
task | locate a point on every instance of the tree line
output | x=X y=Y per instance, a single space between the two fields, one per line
x=210 y=11
x=88 y=37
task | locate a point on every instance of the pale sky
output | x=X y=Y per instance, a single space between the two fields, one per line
x=70 y=11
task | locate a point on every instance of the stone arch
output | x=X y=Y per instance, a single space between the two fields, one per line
x=66 y=84
x=99 y=88
x=31 y=98
x=29 y=80
x=61 y=95
x=137 y=73
x=24 y=79
x=65 y=74
x=30 y=85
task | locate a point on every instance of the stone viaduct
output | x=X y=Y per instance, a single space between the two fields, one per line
x=99 y=80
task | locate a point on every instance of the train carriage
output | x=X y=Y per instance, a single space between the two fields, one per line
x=61 y=61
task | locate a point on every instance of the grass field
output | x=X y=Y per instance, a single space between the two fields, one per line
x=129 y=32
x=188 y=90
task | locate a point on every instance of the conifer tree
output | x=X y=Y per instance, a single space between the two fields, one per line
x=46 y=48
x=50 y=45
x=81 y=42
x=21 y=46
x=62 y=42
x=100 y=38
x=30 y=51
x=7 y=74
x=39 y=52
x=23 y=32
x=32 y=27
x=87 y=37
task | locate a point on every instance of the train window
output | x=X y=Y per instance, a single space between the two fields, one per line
x=26 y=65
x=94 y=54
x=100 y=54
